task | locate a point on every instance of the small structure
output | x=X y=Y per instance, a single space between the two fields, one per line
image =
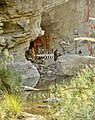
x=41 y=44
x=84 y=39
x=39 y=48
x=91 y=29
x=90 y=26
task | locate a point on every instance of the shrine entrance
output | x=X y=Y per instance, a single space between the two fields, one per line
x=40 y=48
x=41 y=45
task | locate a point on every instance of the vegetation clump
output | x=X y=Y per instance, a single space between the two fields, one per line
x=77 y=98
x=11 y=102
x=11 y=106
x=10 y=80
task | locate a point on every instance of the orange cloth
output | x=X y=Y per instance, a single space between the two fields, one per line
x=33 y=53
x=89 y=45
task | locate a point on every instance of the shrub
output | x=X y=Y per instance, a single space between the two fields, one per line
x=1 y=114
x=12 y=105
x=10 y=80
x=77 y=98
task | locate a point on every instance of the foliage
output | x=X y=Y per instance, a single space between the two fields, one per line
x=1 y=114
x=11 y=105
x=10 y=80
x=77 y=98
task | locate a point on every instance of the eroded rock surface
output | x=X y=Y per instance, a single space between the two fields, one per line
x=24 y=20
x=61 y=19
x=28 y=71
x=69 y=65
x=27 y=116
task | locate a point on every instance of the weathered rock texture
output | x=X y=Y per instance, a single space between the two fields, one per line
x=27 y=116
x=62 y=19
x=29 y=72
x=22 y=21
x=69 y=65
x=25 y=19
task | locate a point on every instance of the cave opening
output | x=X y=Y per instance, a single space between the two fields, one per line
x=39 y=48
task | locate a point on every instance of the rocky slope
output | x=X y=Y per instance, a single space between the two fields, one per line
x=24 y=21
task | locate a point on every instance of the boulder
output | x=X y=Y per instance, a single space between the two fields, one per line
x=52 y=100
x=27 y=116
x=28 y=72
x=69 y=65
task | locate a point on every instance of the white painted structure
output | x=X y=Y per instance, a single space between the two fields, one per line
x=46 y=56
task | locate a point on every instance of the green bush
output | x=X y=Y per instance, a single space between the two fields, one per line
x=11 y=105
x=1 y=114
x=10 y=80
x=77 y=98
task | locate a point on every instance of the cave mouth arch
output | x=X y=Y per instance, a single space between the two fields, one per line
x=39 y=47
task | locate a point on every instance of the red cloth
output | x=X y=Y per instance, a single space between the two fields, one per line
x=89 y=11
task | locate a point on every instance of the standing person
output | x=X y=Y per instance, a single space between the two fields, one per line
x=55 y=54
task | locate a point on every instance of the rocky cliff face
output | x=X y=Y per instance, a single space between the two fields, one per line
x=24 y=21
x=63 y=18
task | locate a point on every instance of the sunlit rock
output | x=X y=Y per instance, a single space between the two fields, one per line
x=69 y=65
x=27 y=116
